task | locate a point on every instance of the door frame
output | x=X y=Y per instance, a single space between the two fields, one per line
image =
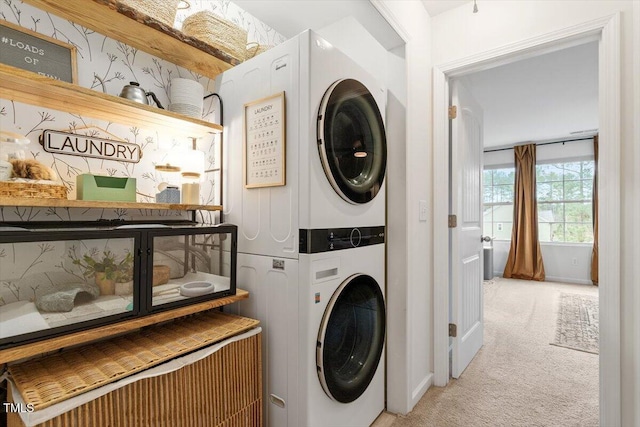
x=607 y=30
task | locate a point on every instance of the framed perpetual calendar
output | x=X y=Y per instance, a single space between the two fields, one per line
x=264 y=142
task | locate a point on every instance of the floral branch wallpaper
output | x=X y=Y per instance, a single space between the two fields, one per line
x=107 y=65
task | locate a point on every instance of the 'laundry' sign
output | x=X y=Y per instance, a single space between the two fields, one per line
x=88 y=146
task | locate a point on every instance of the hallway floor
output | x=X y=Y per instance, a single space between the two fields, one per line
x=517 y=378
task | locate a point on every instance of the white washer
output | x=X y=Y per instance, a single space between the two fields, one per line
x=334 y=112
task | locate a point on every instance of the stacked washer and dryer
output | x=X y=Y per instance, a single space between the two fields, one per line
x=312 y=252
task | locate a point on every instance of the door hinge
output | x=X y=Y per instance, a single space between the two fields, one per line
x=453 y=112
x=453 y=221
x=453 y=330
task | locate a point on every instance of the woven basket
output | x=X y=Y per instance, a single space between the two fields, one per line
x=32 y=190
x=161 y=10
x=45 y=381
x=255 y=49
x=217 y=32
x=161 y=275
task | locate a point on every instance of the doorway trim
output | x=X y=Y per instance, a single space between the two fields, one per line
x=607 y=31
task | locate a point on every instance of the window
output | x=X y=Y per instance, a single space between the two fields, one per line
x=498 y=203
x=564 y=192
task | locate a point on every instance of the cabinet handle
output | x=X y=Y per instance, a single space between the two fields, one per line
x=278 y=401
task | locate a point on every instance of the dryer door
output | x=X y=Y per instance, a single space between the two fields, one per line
x=352 y=141
x=351 y=338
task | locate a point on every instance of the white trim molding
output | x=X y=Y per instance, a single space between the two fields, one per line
x=399 y=397
x=607 y=30
x=609 y=219
x=636 y=126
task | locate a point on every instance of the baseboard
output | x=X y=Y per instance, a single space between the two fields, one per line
x=568 y=280
x=557 y=279
x=422 y=388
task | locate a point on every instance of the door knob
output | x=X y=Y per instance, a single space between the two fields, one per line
x=485 y=239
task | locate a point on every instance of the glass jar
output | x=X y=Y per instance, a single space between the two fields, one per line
x=11 y=147
x=5 y=168
x=190 y=188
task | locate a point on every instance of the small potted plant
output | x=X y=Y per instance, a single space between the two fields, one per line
x=105 y=269
x=124 y=276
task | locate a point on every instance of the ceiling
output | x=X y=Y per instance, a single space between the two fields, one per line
x=545 y=97
x=436 y=7
x=292 y=17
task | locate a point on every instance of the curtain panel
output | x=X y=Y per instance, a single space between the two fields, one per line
x=525 y=256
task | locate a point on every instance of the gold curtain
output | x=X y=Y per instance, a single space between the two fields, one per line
x=525 y=257
x=594 y=207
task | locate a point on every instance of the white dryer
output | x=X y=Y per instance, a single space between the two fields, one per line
x=335 y=145
x=342 y=333
x=324 y=321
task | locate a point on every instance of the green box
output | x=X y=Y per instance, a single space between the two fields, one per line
x=109 y=188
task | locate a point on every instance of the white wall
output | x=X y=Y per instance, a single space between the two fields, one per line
x=460 y=34
x=558 y=259
x=409 y=348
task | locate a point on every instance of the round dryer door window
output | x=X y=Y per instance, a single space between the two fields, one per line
x=351 y=338
x=352 y=141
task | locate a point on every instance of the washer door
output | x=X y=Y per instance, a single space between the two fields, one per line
x=351 y=141
x=351 y=338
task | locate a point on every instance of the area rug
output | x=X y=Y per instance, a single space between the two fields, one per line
x=577 y=325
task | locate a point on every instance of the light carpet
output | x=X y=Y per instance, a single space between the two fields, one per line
x=517 y=378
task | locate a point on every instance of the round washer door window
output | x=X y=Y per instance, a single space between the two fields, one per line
x=351 y=141
x=351 y=338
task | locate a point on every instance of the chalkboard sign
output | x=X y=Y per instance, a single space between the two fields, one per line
x=28 y=50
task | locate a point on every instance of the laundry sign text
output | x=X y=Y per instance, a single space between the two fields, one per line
x=88 y=146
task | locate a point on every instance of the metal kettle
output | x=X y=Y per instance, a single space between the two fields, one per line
x=135 y=93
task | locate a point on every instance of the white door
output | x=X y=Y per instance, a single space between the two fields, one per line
x=466 y=238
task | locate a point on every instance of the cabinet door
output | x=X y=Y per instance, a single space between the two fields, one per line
x=189 y=265
x=54 y=282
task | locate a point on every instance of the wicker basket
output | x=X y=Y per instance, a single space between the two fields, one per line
x=255 y=49
x=32 y=190
x=160 y=275
x=217 y=32
x=161 y=10
x=45 y=381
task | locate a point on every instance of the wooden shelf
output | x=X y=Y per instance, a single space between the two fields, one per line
x=31 y=88
x=36 y=348
x=123 y=23
x=64 y=203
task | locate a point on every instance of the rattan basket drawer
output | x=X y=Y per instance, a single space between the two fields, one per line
x=213 y=391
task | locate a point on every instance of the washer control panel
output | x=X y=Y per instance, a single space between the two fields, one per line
x=332 y=239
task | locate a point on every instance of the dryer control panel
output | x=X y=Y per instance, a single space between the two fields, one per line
x=332 y=239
